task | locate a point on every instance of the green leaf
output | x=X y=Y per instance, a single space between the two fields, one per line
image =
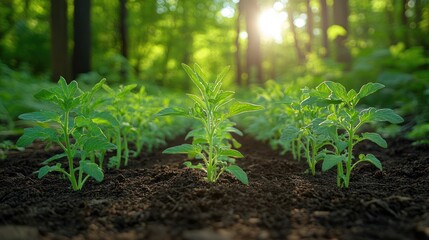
x=105 y=118
x=183 y=149
x=234 y=130
x=238 y=173
x=196 y=133
x=53 y=158
x=368 y=89
x=386 y=114
x=44 y=94
x=372 y=159
x=171 y=111
x=289 y=134
x=332 y=160
x=194 y=77
x=341 y=145
x=197 y=100
x=97 y=144
x=242 y=107
x=190 y=165
x=92 y=170
x=223 y=97
x=47 y=169
x=44 y=116
x=374 y=115
x=338 y=91
x=81 y=121
x=231 y=153
x=375 y=138
x=219 y=79
x=31 y=134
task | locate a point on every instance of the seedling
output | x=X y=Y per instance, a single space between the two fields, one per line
x=212 y=140
x=346 y=117
x=69 y=126
x=119 y=114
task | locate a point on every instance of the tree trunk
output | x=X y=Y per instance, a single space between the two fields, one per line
x=82 y=37
x=123 y=31
x=299 y=54
x=309 y=26
x=404 y=23
x=324 y=21
x=239 y=70
x=341 y=14
x=390 y=13
x=253 y=60
x=59 y=37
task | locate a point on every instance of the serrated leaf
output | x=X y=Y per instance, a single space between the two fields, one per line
x=338 y=91
x=105 y=118
x=368 y=89
x=341 y=145
x=92 y=170
x=183 y=149
x=384 y=114
x=238 y=173
x=289 y=134
x=375 y=138
x=171 y=111
x=31 y=134
x=231 y=153
x=47 y=169
x=332 y=160
x=97 y=144
x=374 y=160
x=388 y=115
x=44 y=116
x=242 y=107
x=81 y=121
x=53 y=158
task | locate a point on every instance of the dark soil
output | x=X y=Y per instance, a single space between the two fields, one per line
x=156 y=198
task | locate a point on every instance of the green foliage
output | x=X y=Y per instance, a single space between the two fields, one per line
x=322 y=124
x=345 y=116
x=212 y=141
x=71 y=125
x=5 y=146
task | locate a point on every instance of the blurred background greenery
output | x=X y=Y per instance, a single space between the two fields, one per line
x=294 y=42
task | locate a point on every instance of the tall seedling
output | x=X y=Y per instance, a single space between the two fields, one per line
x=345 y=116
x=68 y=126
x=120 y=113
x=212 y=141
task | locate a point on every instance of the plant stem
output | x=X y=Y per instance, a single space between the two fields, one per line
x=349 y=157
x=69 y=151
x=313 y=157
x=118 y=149
x=126 y=152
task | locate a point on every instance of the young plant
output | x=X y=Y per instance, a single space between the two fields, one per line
x=120 y=114
x=212 y=141
x=306 y=135
x=346 y=117
x=5 y=146
x=67 y=126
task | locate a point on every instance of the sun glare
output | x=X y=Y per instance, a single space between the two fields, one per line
x=272 y=24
